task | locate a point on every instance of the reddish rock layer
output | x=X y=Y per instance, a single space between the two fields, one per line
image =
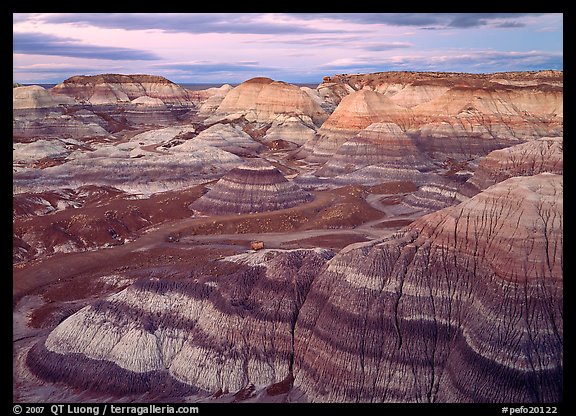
x=263 y=100
x=459 y=115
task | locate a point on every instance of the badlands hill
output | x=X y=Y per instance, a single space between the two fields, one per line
x=399 y=316
x=254 y=187
x=461 y=115
x=112 y=88
x=411 y=224
x=263 y=99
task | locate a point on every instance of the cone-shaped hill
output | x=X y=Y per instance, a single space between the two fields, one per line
x=254 y=187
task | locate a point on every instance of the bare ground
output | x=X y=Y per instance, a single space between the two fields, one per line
x=51 y=287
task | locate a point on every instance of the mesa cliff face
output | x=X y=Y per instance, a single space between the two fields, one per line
x=454 y=115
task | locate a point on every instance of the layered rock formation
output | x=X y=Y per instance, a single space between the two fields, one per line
x=354 y=113
x=94 y=106
x=171 y=337
x=381 y=144
x=225 y=137
x=262 y=100
x=117 y=88
x=452 y=115
x=211 y=99
x=131 y=168
x=424 y=86
x=526 y=159
x=464 y=306
x=155 y=160
x=435 y=192
x=34 y=97
x=37 y=113
x=254 y=187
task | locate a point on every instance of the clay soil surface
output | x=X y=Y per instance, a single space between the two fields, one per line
x=160 y=237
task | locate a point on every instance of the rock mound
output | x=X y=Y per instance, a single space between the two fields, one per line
x=526 y=159
x=464 y=306
x=225 y=137
x=212 y=98
x=33 y=96
x=114 y=88
x=254 y=187
x=383 y=144
x=263 y=100
x=354 y=113
x=228 y=325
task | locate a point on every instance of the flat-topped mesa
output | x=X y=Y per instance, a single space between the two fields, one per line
x=254 y=187
x=263 y=100
x=459 y=115
x=117 y=88
x=465 y=305
x=379 y=80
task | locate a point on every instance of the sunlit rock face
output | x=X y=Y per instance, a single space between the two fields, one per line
x=291 y=129
x=355 y=112
x=34 y=97
x=451 y=114
x=254 y=187
x=463 y=306
x=211 y=99
x=262 y=100
x=115 y=88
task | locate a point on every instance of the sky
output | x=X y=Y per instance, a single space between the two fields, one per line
x=290 y=47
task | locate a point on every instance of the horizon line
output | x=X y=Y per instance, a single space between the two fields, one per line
x=291 y=82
